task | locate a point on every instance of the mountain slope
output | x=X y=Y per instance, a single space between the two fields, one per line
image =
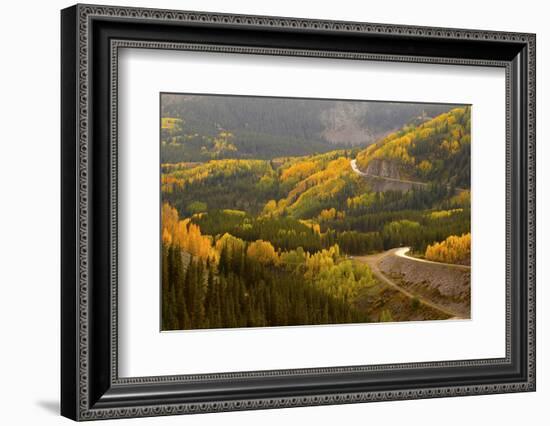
x=197 y=126
x=435 y=151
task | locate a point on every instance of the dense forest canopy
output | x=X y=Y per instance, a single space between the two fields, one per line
x=203 y=127
x=263 y=212
x=437 y=150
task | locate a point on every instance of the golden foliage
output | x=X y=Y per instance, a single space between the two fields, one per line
x=321 y=185
x=363 y=200
x=462 y=199
x=176 y=176
x=230 y=243
x=440 y=214
x=321 y=261
x=425 y=166
x=311 y=224
x=330 y=214
x=234 y=212
x=327 y=214
x=452 y=147
x=396 y=146
x=453 y=250
x=299 y=170
x=170 y=219
x=263 y=252
x=169 y=183
x=270 y=208
x=170 y=123
x=172 y=167
x=184 y=234
x=221 y=144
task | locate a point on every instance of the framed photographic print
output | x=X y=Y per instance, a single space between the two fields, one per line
x=263 y=212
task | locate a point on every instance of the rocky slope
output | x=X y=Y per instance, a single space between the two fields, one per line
x=445 y=285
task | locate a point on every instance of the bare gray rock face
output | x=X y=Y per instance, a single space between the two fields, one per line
x=383 y=168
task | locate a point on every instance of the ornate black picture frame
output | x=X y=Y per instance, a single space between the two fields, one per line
x=91 y=387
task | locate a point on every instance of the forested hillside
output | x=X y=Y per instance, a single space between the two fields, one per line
x=271 y=241
x=228 y=282
x=437 y=150
x=203 y=127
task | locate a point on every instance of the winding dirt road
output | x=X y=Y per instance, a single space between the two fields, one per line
x=373 y=262
x=389 y=179
x=402 y=252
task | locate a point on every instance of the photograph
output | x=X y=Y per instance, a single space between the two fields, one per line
x=279 y=211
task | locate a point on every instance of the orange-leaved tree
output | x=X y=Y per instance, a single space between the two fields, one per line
x=455 y=249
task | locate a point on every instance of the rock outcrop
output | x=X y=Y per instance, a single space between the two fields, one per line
x=383 y=168
x=445 y=285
